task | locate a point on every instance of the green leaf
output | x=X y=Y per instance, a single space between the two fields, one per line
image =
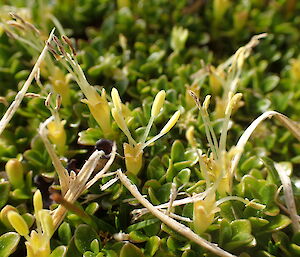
x=177 y=151
x=4 y=189
x=89 y=254
x=225 y=233
x=89 y=136
x=92 y=208
x=184 y=175
x=241 y=235
x=270 y=82
x=142 y=224
x=257 y=222
x=130 y=250
x=250 y=163
x=8 y=243
x=64 y=233
x=137 y=236
x=155 y=169
x=84 y=235
x=152 y=245
x=271 y=169
x=95 y=246
x=59 y=251
x=276 y=223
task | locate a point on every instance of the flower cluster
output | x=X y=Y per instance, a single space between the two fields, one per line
x=133 y=150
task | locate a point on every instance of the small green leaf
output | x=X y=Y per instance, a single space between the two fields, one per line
x=257 y=222
x=225 y=232
x=89 y=136
x=184 y=175
x=89 y=254
x=250 y=163
x=8 y=243
x=152 y=245
x=59 y=251
x=84 y=235
x=155 y=170
x=95 y=246
x=137 y=236
x=142 y=224
x=64 y=233
x=276 y=223
x=177 y=151
x=92 y=208
x=270 y=82
x=4 y=189
x=130 y=250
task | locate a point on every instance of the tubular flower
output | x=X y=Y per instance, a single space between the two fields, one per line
x=56 y=131
x=97 y=104
x=20 y=29
x=133 y=150
x=100 y=110
x=38 y=243
x=57 y=134
x=60 y=83
x=204 y=213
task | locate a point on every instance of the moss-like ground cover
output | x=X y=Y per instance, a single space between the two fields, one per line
x=142 y=128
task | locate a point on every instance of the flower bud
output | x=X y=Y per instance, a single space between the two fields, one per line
x=204 y=213
x=37 y=201
x=133 y=158
x=46 y=222
x=170 y=123
x=158 y=103
x=119 y=119
x=100 y=110
x=178 y=38
x=206 y=102
x=57 y=135
x=15 y=172
x=18 y=223
x=233 y=102
x=116 y=99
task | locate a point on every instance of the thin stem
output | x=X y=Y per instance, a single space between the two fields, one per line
x=224 y=130
x=62 y=173
x=288 y=196
x=19 y=97
x=147 y=130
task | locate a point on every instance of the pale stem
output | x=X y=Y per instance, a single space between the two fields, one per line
x=101 y=173
x=208 y=125
x=285 y=121
x=289 y=197
x=19 y=97
x=204 y=169
x=147 y=130
x=192 y=199
x=153 y=139
x=232 y=198
x=77 y=186
x=62 y=173
x=224 y=130
x=178 y=227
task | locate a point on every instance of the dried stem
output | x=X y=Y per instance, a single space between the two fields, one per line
x=63 y=175
x=285 y=121
x=178 y=227
x=19 y=97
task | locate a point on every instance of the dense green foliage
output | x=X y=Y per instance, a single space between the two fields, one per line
x=140 y=48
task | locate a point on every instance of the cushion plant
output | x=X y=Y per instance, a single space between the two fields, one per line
x=139 y=128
